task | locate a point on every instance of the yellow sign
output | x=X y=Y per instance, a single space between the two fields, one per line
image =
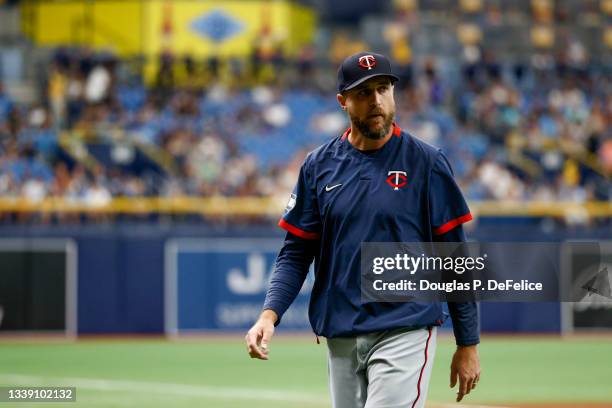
x=202 y=28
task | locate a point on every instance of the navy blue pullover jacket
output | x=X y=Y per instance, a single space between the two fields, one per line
x=403 y=192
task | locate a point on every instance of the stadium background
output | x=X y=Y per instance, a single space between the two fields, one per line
x=147 y=149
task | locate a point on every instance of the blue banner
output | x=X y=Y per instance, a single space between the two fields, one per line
x=221 y=284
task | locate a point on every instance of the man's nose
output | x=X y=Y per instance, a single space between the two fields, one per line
x=376 y=99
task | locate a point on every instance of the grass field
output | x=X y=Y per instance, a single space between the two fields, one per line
x=216 y=372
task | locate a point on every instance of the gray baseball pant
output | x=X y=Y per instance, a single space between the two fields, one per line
x=389 y=369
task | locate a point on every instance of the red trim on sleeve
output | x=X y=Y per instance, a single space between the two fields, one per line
x=422 y=369
x=452 y=224
x=296 y=231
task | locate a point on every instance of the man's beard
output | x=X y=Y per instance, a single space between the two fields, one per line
x=370 y=133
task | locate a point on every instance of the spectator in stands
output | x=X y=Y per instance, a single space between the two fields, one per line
x=164 y=81
x=75 y=95
x=98 y=84
x=57 y=94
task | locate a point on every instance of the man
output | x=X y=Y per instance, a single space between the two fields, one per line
x=375 y=183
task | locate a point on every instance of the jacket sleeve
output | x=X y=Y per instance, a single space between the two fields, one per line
x=301 y=217
x=289 y=273
x=464 y=315
x=446 y=203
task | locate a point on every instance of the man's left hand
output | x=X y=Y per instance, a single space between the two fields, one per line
x=466 y=367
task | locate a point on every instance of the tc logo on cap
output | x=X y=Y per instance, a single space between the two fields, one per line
x=367 y=62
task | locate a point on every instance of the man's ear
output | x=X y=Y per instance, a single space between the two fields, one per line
x=341 y=100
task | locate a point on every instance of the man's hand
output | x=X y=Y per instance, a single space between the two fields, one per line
x=258 y=337
x=466 y=366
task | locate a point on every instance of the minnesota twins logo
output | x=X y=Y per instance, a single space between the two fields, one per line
x=367 y=62
x=397 y=179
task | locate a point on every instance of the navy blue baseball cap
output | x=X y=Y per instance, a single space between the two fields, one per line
x=362 y=66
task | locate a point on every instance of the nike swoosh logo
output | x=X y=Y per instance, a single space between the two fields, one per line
x=330 y=188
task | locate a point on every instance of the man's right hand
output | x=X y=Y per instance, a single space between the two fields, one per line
x=259 y=336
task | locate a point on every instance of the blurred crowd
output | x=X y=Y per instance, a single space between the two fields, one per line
x=524 y=132
x=537 y=130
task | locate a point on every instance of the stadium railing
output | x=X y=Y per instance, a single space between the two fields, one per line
x=273 y=207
